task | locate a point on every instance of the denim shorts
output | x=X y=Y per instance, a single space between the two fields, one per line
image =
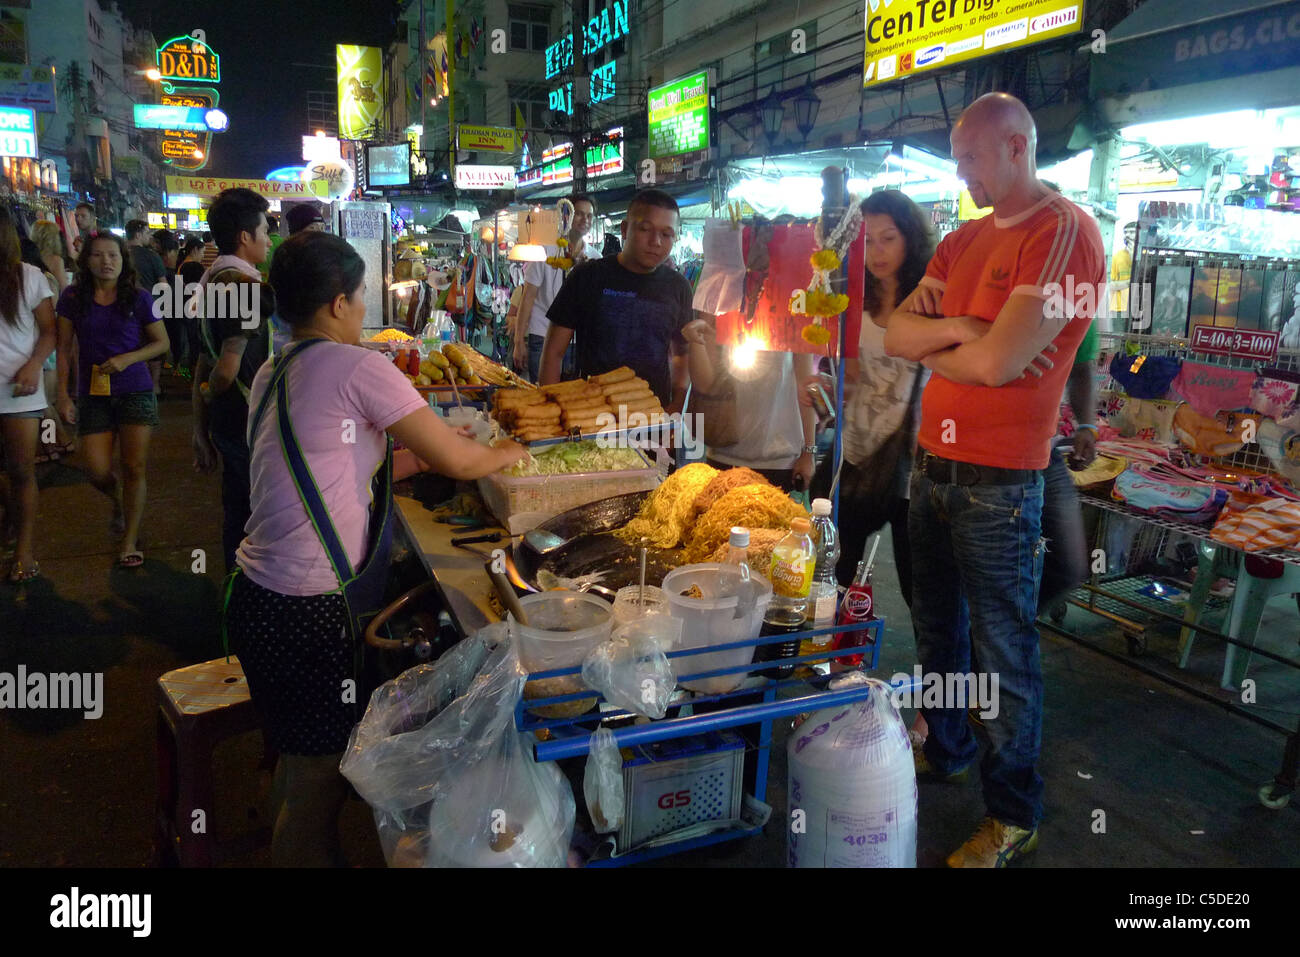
x=33 y=414
x=104 y=413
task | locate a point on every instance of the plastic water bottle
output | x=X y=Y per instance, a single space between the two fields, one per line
x=738 y=551
x=824 y=589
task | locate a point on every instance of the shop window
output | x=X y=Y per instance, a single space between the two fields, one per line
x=774 y=62
x=532 y=101
x=530 y=27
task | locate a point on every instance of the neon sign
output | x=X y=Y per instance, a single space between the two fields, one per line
x=190 y=59
x=599 y=32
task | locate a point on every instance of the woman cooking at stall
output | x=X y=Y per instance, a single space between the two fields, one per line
x=316 y=551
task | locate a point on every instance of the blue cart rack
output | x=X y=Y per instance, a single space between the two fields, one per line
x=566 y=738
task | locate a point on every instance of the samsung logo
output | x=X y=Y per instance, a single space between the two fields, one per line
x=930 y=55
x=1051 y=21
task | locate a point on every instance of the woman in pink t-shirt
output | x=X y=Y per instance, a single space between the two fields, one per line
x=286 y=617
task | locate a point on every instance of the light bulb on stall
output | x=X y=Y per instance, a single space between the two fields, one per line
x=745 y=355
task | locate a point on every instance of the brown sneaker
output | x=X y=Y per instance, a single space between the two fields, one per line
x=925 y=771
x=994 y=844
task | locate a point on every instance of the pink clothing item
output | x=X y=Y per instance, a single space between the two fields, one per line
x=1274 y=397
x=230 y=262
x=341 y=399
x=1213 y=389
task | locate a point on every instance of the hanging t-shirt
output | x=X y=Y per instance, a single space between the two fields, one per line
x=104 y=332
x=978 y=268
x=331 y=384
x=768 y=423
x=18 y=342
x=623 y=318
x=548 y=280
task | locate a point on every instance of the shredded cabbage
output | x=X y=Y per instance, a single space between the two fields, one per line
x=571 y=458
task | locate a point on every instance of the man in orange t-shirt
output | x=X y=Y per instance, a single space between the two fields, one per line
x=997 y=318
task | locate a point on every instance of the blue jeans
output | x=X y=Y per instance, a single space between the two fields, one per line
x=236 y=493
x=1066 y=565
x=977 y=558
x=569 y=369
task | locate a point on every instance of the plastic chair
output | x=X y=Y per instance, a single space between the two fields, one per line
x=198 y=708
x=1258 y=581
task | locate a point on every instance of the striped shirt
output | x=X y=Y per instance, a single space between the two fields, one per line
x=979 y=267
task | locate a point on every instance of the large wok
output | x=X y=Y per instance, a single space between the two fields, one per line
x=589 y=547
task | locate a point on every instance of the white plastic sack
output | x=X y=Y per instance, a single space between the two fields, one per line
x=602 y=783
x=852 y=785
x=450 y=780
x=631 y=669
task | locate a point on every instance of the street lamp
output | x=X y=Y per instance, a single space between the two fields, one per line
x=806 y=106
x=153 y=73
x=773 y=113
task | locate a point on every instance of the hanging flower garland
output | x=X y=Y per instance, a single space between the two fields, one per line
x=818 y=301
x=562 y=262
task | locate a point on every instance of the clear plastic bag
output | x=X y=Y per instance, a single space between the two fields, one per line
x=631 y=669
x=450 y=780
x=602 y=783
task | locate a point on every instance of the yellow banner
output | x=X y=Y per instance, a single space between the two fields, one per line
x=361 y=89
x=212 y=185
x=910 y=36
x=492 y=139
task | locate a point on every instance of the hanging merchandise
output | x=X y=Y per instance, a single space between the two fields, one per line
x=722 y=282
x=1164 y=493
x=1220 y=435
x=456 y=299
x=1151 y=420
x=1275 y=393
x=853 y=777
x=1211 y=389
x=1272 y=524
x=819 y=302
x=1144 y=376
x=778 y=259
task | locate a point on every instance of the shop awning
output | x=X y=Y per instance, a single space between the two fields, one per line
x=615 y=192
x=1169 y=44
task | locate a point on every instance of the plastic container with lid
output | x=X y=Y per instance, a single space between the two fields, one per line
x=716 y=618
x=630 y=604
x=563 y=626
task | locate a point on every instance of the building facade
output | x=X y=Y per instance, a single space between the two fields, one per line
x=100 y=59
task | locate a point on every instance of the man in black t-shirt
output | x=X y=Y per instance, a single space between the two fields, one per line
x=235 y=337
x=629 y=309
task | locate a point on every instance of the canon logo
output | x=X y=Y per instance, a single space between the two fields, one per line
x=1057 y=18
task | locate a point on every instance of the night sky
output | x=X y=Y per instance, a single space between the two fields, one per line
x=257 y=40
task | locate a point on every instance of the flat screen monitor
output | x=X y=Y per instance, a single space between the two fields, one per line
x=389 y=165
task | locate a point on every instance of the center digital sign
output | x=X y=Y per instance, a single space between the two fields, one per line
x=904 y=37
